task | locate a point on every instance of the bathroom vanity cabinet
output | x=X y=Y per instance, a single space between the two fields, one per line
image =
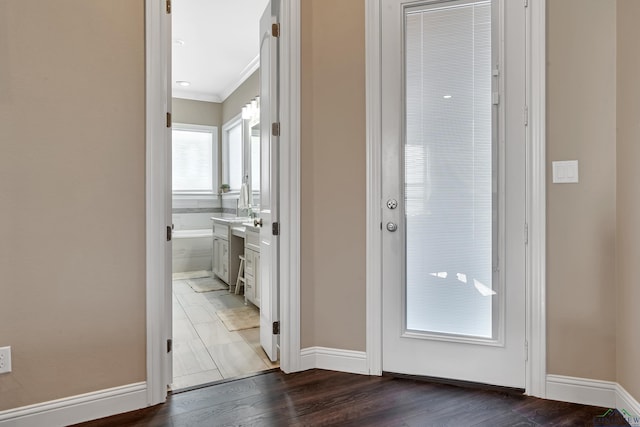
x=227 y=249
x=252 y=265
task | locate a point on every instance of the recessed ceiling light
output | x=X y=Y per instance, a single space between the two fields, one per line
x=178 y=42
x=447 y=97
x=183 y=83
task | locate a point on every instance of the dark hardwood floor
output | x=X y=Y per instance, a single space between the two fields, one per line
x=325 y=398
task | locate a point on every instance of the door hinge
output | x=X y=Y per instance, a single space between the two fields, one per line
x=526 y=350
x=168 y=5
x=276 y=328
x=168 y=120
x=275 y=228
x=169 y=345
x=526 y=3
x=526 y=233
x=275 y=30
x=526 y=115
x=168 y=233
x=275 y=129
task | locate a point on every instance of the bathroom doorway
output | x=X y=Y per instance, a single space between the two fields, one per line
x=215 y=257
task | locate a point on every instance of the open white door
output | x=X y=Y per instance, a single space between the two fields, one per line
x=168 y=209
x=269 y=295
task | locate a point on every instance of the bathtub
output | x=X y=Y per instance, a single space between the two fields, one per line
x=192 y=250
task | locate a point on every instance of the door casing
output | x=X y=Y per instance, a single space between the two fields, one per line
x=158 y=199
x=535 y=187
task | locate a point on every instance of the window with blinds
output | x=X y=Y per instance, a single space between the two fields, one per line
x=193 y=159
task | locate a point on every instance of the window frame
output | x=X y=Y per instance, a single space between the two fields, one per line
x=213 y=130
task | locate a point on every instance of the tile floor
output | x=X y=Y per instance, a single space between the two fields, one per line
x=203 y=349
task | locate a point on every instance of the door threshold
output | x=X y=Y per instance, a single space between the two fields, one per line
x=222 y=381
x=514 y=391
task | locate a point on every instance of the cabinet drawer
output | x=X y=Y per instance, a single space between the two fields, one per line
x=221 y=230
x=249 y=290
x=252 y=240
x=249 y=263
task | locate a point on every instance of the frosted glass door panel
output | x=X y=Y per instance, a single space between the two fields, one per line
x=448 y=170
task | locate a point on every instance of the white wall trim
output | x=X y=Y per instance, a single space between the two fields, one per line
x=196 y=96
x=77 y=409
x=334 y=359
x=374 y=196
x=536 y=190
x=586 y=391
x=246 y=72
x=158 y=198
x=290 y=186
x=627 y=405
x=581 y=390
x=536 y=202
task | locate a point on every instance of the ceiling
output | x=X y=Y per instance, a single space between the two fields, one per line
x=215 y=46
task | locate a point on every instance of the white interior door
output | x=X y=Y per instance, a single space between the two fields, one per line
x=268 y=281
x=453 y=87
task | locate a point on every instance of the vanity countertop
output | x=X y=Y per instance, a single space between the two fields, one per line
x=231 y=220
x=250 y=227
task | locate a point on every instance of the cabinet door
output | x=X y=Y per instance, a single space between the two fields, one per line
x=249 y=263
x=224 y=245
x=256 y=275
x=249 y=285
x=215 y=263
x=250 y=289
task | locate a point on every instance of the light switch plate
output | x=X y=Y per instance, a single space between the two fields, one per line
x=5 y=359
x=565 y=172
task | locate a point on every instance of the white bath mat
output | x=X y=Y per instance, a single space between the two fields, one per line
x=191 y=275
x=206 y=284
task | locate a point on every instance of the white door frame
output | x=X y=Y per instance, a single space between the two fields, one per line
x=535 y=187
x=158 y=103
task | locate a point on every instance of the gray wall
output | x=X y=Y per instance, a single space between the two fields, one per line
x=333 y=166
x=628 y=197
x=581 y=218
x=249 y=89
x=72 y=191
x=197 y=112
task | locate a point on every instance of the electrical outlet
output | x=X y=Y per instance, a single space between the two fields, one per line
x=5 y=360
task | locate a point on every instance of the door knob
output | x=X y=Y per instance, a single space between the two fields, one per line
x=257 y=222
x=391 y=226
x=392 y=203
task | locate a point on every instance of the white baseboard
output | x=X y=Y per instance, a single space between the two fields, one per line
x=77 y=409
x=581 y=390
x=586 y=391
x=628 y=406
x=334 y=359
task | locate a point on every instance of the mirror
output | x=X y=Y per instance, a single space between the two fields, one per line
x=254 y=147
